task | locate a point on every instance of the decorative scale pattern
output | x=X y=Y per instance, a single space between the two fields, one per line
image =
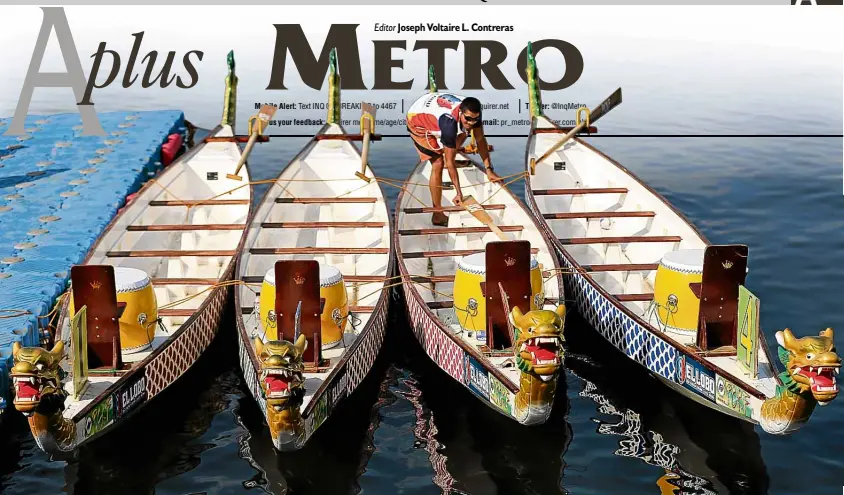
x=179 y=355
x=612 y=323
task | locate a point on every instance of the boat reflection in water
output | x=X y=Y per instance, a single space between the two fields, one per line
x=663 y=429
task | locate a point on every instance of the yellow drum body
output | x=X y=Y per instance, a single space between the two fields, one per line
x=334 y=315
x=679 y=307
x=137 y=325
x=469 y=303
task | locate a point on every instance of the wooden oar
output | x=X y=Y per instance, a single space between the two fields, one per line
x=477 y=211
x=604 y=108
x=367 y=126
x=264 y=115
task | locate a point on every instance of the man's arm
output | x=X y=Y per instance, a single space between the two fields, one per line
x=448 y=156
x=483 y=150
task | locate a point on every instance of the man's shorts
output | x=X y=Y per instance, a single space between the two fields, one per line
x=425 y=151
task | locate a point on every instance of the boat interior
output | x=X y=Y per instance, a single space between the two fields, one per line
x=319 y=210
x=431 y=254
x=181 y=232
x=619 y=231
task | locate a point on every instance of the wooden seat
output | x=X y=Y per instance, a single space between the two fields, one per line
x=598 y=214
x=321 y=225
x=583 y=190
x=447 y=209
x=445 y=254
x=307 y=201
x=185 y=227
x=199 y=202
x=621 y=240
x=168 y=253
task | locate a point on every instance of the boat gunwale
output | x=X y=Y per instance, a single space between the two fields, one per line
x=472 y=350
x=606 y=295
x=140 y=366
x=383 y=300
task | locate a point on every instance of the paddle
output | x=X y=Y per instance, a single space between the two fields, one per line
x=263 y=117
x=367 y=126
x=477 y=211
x=604 y=108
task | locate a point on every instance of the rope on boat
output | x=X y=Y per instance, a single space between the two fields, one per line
x=382 y=180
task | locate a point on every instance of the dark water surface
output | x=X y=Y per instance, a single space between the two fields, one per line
x=410 y=430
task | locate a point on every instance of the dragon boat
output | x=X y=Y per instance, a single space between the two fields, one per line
x=316 y=267
x=146 y=301
x=484 y=294
x=650 y=283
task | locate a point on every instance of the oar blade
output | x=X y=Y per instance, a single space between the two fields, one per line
x=604 y=108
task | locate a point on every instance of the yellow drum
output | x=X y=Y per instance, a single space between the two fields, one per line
x=138 y=323
x=678 y=306
x=334 y=316
x=469 y=303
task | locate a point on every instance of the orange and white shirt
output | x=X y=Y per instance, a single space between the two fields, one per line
x=435 y=117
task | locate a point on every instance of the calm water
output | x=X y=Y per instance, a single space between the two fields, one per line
x=409 y=430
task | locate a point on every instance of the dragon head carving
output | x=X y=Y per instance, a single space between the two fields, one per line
x=538 y=348
x=539 y=341
x=283 y=383
x=37 y=377
x=812 y=363
x=281 y=372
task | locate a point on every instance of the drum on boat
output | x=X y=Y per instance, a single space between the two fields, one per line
x=334 y=315
x=469 y=303
x=137 y=325
x=678 y=307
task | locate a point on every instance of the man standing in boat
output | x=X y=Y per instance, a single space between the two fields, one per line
x=439 y=123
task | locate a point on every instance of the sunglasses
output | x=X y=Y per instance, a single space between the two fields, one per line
x=471 y=119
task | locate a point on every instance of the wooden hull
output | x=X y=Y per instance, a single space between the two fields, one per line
x=319 y=210
x=429 y=304
x=187 y=268
x=612 y=288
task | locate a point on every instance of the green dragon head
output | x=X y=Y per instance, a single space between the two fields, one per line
x=281 y=372
x=539 y=341
x=812 y=363
x=36 y=376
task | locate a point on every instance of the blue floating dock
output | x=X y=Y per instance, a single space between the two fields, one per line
x=58 y=192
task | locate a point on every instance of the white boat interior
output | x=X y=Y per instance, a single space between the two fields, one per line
x=182 y=231
x=431 y=254
x=618 y=230
x=319 y=210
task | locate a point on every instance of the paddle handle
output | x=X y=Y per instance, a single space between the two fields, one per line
x=608 y=104
x=365 y=153
x=247 y=150
x=562 y=141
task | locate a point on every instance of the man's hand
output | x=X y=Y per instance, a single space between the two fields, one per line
x=458 y=199
x=493 y=176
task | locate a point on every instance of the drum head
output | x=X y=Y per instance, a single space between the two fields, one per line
x=684 y=260
x=329 y=275
x=130 y=279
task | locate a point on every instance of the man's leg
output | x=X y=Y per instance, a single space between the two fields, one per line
x=436 y=186
x=435 y=183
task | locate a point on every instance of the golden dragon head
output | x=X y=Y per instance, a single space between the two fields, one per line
x=812 y=363
x=36 y=376
x=539 y=341
x=282 y=366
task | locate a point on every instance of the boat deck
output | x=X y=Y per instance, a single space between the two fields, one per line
x=618 y=230
x=431 y=254
x=319 y=210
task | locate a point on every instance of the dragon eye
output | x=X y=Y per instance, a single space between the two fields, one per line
x=810 y=356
